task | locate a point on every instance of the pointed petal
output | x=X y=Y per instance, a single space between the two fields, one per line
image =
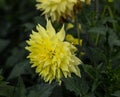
x=61 y=34
x=41 y=31
x=64 y=67
x=58 y=74
x=78 y=71
x=50 y=29
x=75 y=70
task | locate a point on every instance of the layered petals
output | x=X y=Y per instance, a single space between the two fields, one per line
x=57 y=8
x=52 y=57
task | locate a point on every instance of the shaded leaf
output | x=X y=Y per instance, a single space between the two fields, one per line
x=3 y=44
x=98 y=30
x=79 y=86
x=2 y=3
x=40 y=90
x=100 y=55
x=39 y=20
x=95 y=84
x=116 y=93
x=108 y=19
x=20 y=90
x=6 y=90
x=19 y=69
x=17 y=55
x=113 y=39
x=29 y=26
x=89 y=95
x=90 y=70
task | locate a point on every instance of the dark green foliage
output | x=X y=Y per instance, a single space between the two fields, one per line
x=100 y=33
x=78 y=85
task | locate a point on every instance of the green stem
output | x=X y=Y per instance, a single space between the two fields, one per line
x=104 y=10
x=96 y=18
x=78 y=32
x=97 y=8
x=97 y=39
x=107 y=8
x=108 y=54
x=108 y=62
x=111 y=15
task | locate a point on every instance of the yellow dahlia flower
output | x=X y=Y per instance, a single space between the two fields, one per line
x=51 y=55
x=57 y=8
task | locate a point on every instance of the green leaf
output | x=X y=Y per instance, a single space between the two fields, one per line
x=29 y=26
x=40 y=20
x=2 y=3
x=108 y=19
x=78 y=85
x=117 y=6
x=116 y=93
x=95 y=84
x=100 y=55
x=3 y=44
x=90 y=70
x=19 y=69
x=20 y=90
x=1 y=79
x=113 y=39
x=40 y=90
x=6 y=90
x=94 y=73
x=89 y=95
x=98 y=30
x=17 y=55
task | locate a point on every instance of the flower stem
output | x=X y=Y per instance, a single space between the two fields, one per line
x=108 y=9
x=97 y=39
x=78 y=32
x=97 y=16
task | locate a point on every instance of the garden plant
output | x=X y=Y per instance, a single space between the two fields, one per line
x=59 y=48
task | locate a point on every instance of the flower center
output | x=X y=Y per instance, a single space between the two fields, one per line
x=51 y=54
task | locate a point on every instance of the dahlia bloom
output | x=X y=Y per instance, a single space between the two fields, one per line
x=53 y=57
x=57 y=8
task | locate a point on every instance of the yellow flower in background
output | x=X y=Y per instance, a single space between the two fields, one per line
x=53 y=57
x=73 y=40
x=57 y=8
x=69 y=26
x=88 y=2
x=110 y=0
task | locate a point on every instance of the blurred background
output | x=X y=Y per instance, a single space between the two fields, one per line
x=100 y=52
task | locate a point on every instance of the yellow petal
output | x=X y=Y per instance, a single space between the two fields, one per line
x=52 y=57
x=61 y=34
x=64 y=67
x=41 y=31
x=88 y=2
x=65 y=74
x=77 y=41
x=50 y=29
x=75 y=70
x=69 y=26
x=58 y=75
x=69 y=38
x=53 y=69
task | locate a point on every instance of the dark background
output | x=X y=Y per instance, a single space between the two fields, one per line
x=101 y=47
